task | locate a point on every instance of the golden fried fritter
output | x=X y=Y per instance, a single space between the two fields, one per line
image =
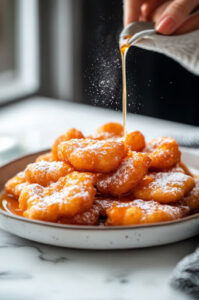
x=61 y=185
x=132 y=169
x=135 y=141
x=176 y=169
x=143 y=212
x=45 y=172
x=89 y=217
x=92 y=216
x=164 y=187
x=30 y=195
x=179 y=168
x=164 y=152
x=192 y=199
x=105 y=202
x=73 y=195
x=70 y=134
x=108 y=130
x=15 y=185
x=92 y=155
x=45 y=157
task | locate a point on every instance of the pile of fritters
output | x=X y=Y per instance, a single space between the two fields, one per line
x=107 y=178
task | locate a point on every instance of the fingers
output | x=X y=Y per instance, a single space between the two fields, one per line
x=132 y=10
x=171 y=16
x=191 y=24
x=149 y=7
x=174 y=15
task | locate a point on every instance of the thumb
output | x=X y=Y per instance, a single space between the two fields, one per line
x=174 y=15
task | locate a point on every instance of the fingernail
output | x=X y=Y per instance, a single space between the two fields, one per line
x=166 y=26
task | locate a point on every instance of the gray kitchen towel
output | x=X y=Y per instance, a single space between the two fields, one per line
x=186 y=275
x=182 y=48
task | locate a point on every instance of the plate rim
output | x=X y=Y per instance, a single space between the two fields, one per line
x=91 y=227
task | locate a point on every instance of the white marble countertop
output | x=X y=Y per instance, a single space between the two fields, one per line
x=29 y=270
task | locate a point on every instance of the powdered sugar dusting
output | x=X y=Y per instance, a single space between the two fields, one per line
x=169 y=180
x=164 y=187
x=75 y=196
x=129 y=173
x=192 y=199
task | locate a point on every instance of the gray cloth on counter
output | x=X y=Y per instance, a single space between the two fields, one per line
x=182 y=48
x=186 y=275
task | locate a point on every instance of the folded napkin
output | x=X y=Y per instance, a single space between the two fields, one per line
x=182 y=48
x=186 y=275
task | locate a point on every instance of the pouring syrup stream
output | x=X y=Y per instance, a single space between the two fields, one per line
x=124 y=46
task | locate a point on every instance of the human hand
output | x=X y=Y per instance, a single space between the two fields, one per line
x=174 y=16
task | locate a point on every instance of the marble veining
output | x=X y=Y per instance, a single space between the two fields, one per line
x=9 y=275
x=30 y=270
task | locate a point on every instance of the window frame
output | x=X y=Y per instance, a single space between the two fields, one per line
x=25 y=79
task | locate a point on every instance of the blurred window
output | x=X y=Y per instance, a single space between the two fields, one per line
x=18 y=48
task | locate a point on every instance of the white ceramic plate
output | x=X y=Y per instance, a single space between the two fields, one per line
x=97 y=237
